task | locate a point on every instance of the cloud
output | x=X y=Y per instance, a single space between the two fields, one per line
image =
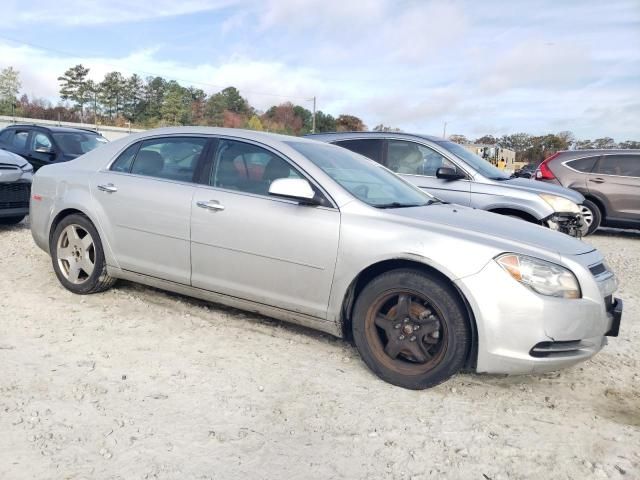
x=80 y=12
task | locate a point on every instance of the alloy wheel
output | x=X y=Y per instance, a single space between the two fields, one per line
x=76 y=254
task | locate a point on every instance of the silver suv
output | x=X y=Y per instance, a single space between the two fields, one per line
x=454 y=174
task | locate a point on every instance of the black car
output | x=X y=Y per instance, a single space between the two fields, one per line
x=525 y=172
x=42 y=145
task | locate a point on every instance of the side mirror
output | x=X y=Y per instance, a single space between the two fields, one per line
x=294 y=189
x=44 y=150
x=447 y=173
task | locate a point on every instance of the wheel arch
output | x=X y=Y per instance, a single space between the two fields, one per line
x=61 y=215
x=372 y=271
x=516 y=213
x=599 y=203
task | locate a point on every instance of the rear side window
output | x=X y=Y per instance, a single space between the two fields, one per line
x=370 y=148
x=20 y=139
x=583 y=164
x=125 y=160
x=172 y=158
x=6 y=136
x=621 y=165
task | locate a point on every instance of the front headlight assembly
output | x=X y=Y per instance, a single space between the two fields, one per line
x=560 y=204
x=542 y=277
x=27 y=168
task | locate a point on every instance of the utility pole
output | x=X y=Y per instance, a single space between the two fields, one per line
x=444 y=131
x=313 y=119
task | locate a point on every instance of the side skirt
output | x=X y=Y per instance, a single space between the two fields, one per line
x=234 y=302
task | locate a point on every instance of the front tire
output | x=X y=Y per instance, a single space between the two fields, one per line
x=78 y=257
x=411 y=329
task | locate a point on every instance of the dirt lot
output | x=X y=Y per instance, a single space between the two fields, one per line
x=135 y=383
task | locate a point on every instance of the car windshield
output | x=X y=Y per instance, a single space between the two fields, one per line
x=78 y=143
x=363 y=178
x=479 y=164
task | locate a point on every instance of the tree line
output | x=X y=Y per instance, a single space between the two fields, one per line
x=155 y=101
x=535 y=148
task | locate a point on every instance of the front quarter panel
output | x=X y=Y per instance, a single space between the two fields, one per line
x=489 y=196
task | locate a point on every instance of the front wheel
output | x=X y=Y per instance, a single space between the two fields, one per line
x=411 y=329
x=78 y=257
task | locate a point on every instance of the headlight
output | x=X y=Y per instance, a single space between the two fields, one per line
x=27 y=168
x=543 y=277
x=560 y=204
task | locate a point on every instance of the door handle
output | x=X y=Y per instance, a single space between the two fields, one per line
x=109 y=188
x=596 y=180
x=210 y=205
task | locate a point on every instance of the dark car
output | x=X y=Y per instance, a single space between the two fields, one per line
x=527 y=171
x=15 y=188
x=41 y=145
x=608 y=179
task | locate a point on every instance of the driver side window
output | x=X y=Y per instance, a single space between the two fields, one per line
x=415 y=159
x=40 y=140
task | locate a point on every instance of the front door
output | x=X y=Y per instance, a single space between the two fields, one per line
x=418 y=164
x=144 y=202
x=247 y=244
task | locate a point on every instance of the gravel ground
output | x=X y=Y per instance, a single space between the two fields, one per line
x=136 y=383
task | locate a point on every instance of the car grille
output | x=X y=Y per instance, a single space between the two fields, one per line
x=4 y=166
x=597 y=269
x=14 y=195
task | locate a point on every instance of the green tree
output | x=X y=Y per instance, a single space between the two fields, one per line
x=176 y=108
x=112 y=92
x=605 y=142
x=461 y=139
x=384 y=128
x=74 y=87
x=9 y=87
x=325 y=122
x=486 y=140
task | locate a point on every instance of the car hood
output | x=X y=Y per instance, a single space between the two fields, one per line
x=489 y=225
x=541 y=187
x=9 y=158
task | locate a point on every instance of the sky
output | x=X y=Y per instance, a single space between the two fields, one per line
x=483 y=67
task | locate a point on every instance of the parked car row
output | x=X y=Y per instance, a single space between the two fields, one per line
x=25 y=148
x=319 y=235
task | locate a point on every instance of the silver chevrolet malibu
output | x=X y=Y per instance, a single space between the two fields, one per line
x=317 y=235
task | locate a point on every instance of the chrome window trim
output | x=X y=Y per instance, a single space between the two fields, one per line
x=597 y=161
x=309 y=178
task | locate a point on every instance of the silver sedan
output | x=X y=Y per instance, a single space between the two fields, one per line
x=317 y=235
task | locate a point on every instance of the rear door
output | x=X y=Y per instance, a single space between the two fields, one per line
x=616 y=178
x=418 y=164
x=144 y=202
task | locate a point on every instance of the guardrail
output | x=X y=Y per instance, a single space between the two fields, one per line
x=109 y=132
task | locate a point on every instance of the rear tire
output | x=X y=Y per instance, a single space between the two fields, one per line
x=411 y=329
x=590 y=209
x=77 y=256
x=11 y=220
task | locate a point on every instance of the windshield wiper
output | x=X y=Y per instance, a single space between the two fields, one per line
x=499 y=179
x=400 y=205
x=435 y=201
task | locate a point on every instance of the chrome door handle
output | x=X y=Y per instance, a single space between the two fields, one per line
x=210 y=205
x=596 y=180
x=109 y=188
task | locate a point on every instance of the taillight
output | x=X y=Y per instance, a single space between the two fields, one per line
x=544 y=172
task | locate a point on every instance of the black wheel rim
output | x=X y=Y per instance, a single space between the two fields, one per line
x=406 y=331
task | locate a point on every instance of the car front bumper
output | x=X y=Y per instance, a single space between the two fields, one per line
x=522 y=332
x=14 y=198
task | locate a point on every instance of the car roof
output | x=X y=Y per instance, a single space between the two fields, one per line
x=334 y=136
x=230 y=132
x=55 y=129
x=564 y=154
